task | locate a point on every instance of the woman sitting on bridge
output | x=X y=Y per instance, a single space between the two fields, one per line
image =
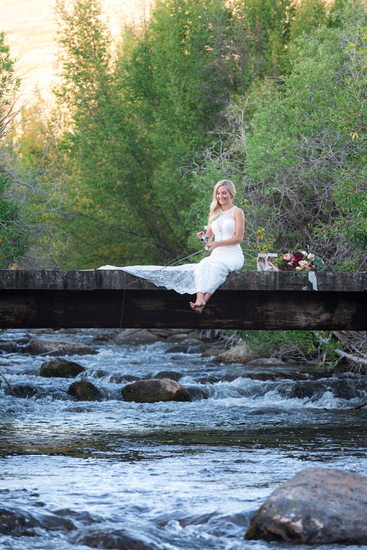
x=226 y=226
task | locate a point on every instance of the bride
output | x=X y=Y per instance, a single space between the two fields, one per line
x=226 y=227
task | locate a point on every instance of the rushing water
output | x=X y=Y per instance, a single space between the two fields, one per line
x=165 y=476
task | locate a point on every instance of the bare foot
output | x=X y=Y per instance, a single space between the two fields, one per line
x=198 y=306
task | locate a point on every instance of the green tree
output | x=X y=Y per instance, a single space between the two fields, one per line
x=176 y=79
x=308 y=15
x=90 y=144
x=27 y=191
x=301 y=151
x=268 y=24
x=135 y=125
x=11 y=238
x=296 y=147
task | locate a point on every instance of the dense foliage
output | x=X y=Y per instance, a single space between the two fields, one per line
x=295 y=147
x=270 y=94
x=11 y=242
x=29 y=191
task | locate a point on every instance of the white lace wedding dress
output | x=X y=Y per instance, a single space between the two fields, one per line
x=205 y=276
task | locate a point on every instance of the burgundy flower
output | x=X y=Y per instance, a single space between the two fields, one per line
x=298 y=256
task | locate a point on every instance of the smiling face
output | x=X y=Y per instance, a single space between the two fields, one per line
x=224 y=197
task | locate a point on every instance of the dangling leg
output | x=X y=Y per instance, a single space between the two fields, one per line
x=200 y=303
x=206 y=297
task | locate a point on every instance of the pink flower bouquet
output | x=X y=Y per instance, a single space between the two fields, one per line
x=300 y=261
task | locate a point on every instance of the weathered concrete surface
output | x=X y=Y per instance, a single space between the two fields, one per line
x=316 y=506
x=247 y=300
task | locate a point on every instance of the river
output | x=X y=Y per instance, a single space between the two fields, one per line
x=165 y=476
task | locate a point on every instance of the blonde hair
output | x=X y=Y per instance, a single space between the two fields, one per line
x=215 y=208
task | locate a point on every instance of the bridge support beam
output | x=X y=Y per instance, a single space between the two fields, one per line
x=247 y=300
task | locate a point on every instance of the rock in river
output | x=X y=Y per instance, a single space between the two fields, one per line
x=57 y=347
x=316 y=506
x=153 y=390
x=171 y=374
x=135 y=336
x=85 y=391
x=237 y=354
x=60 y=368
x=117 y=539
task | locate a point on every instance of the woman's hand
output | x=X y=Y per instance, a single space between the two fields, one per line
x=211 y=245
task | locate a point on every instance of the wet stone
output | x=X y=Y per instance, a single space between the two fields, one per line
x=17 y=523
x=9 y=347
x=105 y=334
x=116 y=539
x=154 y=390
x=172 y=375
x=191 y=346
x=23 y=391
x=84 y=391
x=197 y=394
x=136 y=336
x=266 y=361
x=316 y=506
x=178 y=335
x=306 y=389
x=177 y=348
x=237 y=354
x=118 y=378
x=209 y=380
x=60 y=368
x=57 y=347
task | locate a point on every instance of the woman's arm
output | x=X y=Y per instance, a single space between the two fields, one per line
x=237 y=238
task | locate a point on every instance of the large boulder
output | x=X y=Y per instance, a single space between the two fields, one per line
x=57 y=347
x=238 y=354
x=153 y=390
x=60 y=368
x=136 y=336
x=85 y=391
x=316 y=506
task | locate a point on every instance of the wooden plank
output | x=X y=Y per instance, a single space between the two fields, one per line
x=159 y=308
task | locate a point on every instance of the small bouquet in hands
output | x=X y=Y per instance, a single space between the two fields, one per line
x=300 y=261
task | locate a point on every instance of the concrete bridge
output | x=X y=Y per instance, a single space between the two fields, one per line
x=247 y=300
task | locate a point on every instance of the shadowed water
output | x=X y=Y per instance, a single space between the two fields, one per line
x=81 y=475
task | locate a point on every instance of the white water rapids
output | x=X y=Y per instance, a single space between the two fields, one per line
x=165 y=476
